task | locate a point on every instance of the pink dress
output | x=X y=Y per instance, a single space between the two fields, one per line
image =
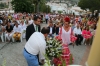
x=86 y=34
x=66 y=55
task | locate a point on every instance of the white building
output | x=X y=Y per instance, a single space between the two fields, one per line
x=58 y=7
x=8 y=2
x=64 y=8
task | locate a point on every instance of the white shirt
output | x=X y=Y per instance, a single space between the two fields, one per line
x=17 y=29
x=46 y=16
x=36 y=45
x=77 y=31
x=80 y=19
x=35 y=27
x=23 y=26
x=59 y=29
x=1 y=21
x=50 y=30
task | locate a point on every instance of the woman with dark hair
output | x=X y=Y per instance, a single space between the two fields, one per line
x=9 y=31
x=87 y=35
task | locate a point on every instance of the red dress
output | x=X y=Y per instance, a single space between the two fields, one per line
x=66 y=56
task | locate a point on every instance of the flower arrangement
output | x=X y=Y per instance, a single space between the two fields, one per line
x=54 y=48
x=58 y=52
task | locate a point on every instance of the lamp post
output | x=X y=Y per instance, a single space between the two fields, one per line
x=34 y=7
x=8 y=7
x=38 y=6
x=47 y=8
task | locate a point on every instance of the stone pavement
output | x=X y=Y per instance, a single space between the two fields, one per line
x=12 y=53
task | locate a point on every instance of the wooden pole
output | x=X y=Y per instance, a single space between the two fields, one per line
x=94 y=56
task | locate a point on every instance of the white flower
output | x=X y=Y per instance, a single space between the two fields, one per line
x=50 y=37
x=46 y=64
x=50 y=45
x=50 y=54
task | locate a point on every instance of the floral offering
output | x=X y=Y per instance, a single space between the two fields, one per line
x=54 y=48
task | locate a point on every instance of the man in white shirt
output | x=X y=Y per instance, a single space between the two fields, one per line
x=23 y=25
x=17 y=31
x=36 y=46
x=77 y=32
x=52 y=30
x=46 y=18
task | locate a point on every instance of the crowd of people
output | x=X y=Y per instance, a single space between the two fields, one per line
x=16 y=26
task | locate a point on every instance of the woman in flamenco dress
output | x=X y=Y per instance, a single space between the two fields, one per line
x=66 y=37
x=86 y=35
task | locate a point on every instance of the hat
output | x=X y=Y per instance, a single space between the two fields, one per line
x=67 y=19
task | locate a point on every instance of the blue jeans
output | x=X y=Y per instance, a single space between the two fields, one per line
x=32 y=60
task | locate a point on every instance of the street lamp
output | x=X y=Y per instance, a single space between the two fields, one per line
x=34 y=7
x=38 y=6
x=9 y=7
x=47 y=7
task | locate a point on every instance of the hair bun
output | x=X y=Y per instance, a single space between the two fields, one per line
x=67 y=19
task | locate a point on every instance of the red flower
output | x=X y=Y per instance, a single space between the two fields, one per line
x=58 y=38
x=73 y=38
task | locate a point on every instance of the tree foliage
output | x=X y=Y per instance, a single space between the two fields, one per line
x=30 y=6
x=22 y=6
x=40 y=6
x=90 y=4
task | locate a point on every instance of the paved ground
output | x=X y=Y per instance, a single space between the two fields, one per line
x=12 y=53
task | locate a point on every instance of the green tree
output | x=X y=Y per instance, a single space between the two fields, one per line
x=22 y=6
x=36 y=4
x=40 y=6
x=90 y=4
x=59 y=12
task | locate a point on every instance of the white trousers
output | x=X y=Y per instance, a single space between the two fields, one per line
x=9 y=36
x=2 y=37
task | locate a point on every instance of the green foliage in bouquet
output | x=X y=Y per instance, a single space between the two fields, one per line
x=47 y=63
x=63 y=62
x=71 y=58
x=4 y=63
x=54 y=48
